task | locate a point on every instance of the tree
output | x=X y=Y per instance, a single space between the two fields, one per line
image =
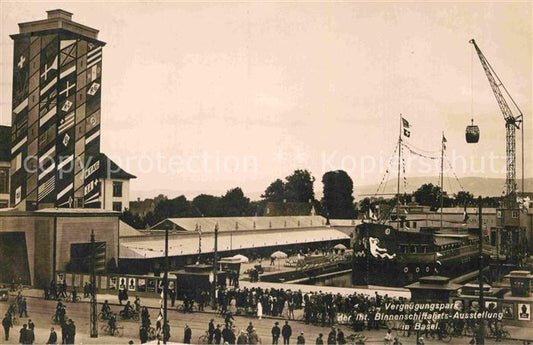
x=208 y=205
x=428 y=195
x=463 y=198
x=338 y=198
x=275 y=192
x=299 y=186
x=234 y=203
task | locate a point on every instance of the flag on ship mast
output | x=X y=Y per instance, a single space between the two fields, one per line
x=444 y=141
x=406 y=126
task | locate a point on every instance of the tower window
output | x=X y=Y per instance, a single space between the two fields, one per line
x=117 y=189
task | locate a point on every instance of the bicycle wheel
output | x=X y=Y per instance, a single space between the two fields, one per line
x=202 y=339
x=101 y=316
x=151 y=333
x=119 y=331
x=446 y=337
x=135 y=317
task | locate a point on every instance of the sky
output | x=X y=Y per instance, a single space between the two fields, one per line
x=204 y=97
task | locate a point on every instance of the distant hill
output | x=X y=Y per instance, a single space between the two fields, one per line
x=475 y=185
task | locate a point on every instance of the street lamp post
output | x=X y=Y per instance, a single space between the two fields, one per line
x=165 y=289
x=94 y=319
x=481 y=331
x=215 y=268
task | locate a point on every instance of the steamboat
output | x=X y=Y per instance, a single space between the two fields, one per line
x=386 y=256
x=389 y=253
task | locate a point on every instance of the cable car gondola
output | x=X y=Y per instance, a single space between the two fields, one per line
x=472 y=133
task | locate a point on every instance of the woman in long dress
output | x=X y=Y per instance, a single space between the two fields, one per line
x=259 y=310
x=285 y=312
x=233 y=306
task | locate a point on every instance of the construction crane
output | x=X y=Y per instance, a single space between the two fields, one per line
x=512 y=123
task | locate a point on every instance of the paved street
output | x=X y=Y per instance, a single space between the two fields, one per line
x=40 y=311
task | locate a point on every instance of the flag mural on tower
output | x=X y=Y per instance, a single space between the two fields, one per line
x=56 y=118
x=19 y=129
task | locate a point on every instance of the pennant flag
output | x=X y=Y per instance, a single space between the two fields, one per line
x=444 y=141
x=405 y=123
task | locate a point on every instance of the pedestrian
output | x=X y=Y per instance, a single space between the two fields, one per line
x=166 y=332
x=300 y=340
x=250 y=328
x=259 y=310
x=143 y=335
x=64 y=332
x=31 y=325
x=85 y=290
x=23 y=308
x=319 y=339
x=71 y=331
x=7 y=323
x=74 y=294
x=226 y=334
x=23 y=334
x=275 y=333
x=211 y=331
x=64 y=289
x=253 y=338
x=217 y=335
x=187 y=334
x=286 y=332
x=340 y=337
x=52 y=338
x=30 y=336
x=332 y=337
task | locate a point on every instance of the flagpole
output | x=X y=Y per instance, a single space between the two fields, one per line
x=441 y=178
x=398 y=186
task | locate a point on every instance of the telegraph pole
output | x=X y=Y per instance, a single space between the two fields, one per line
x=165 y=289
x=94 y=318
x=215 y=268
x=481 y=331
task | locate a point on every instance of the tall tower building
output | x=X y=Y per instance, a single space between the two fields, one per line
x=55 y=134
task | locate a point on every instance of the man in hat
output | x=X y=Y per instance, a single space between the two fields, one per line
x=187 y=334
x=319 y=339
x=211 y=331
x=52 y=339
x=276 y=331
x=286 y=332
x=300 y=340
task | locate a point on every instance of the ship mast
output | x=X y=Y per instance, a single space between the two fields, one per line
x=442 y=177
x=398 y=186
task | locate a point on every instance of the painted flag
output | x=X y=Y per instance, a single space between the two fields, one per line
x=405 y=123
x=407 y=133
x=444 y=141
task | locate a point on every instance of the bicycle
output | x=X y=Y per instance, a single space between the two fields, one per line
x=69 y=298
x=56 y=319
x=152 y=334
x=14 y=320
x=104 y=316
x=203 y=339
x=117 y=331
x=134 y=315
